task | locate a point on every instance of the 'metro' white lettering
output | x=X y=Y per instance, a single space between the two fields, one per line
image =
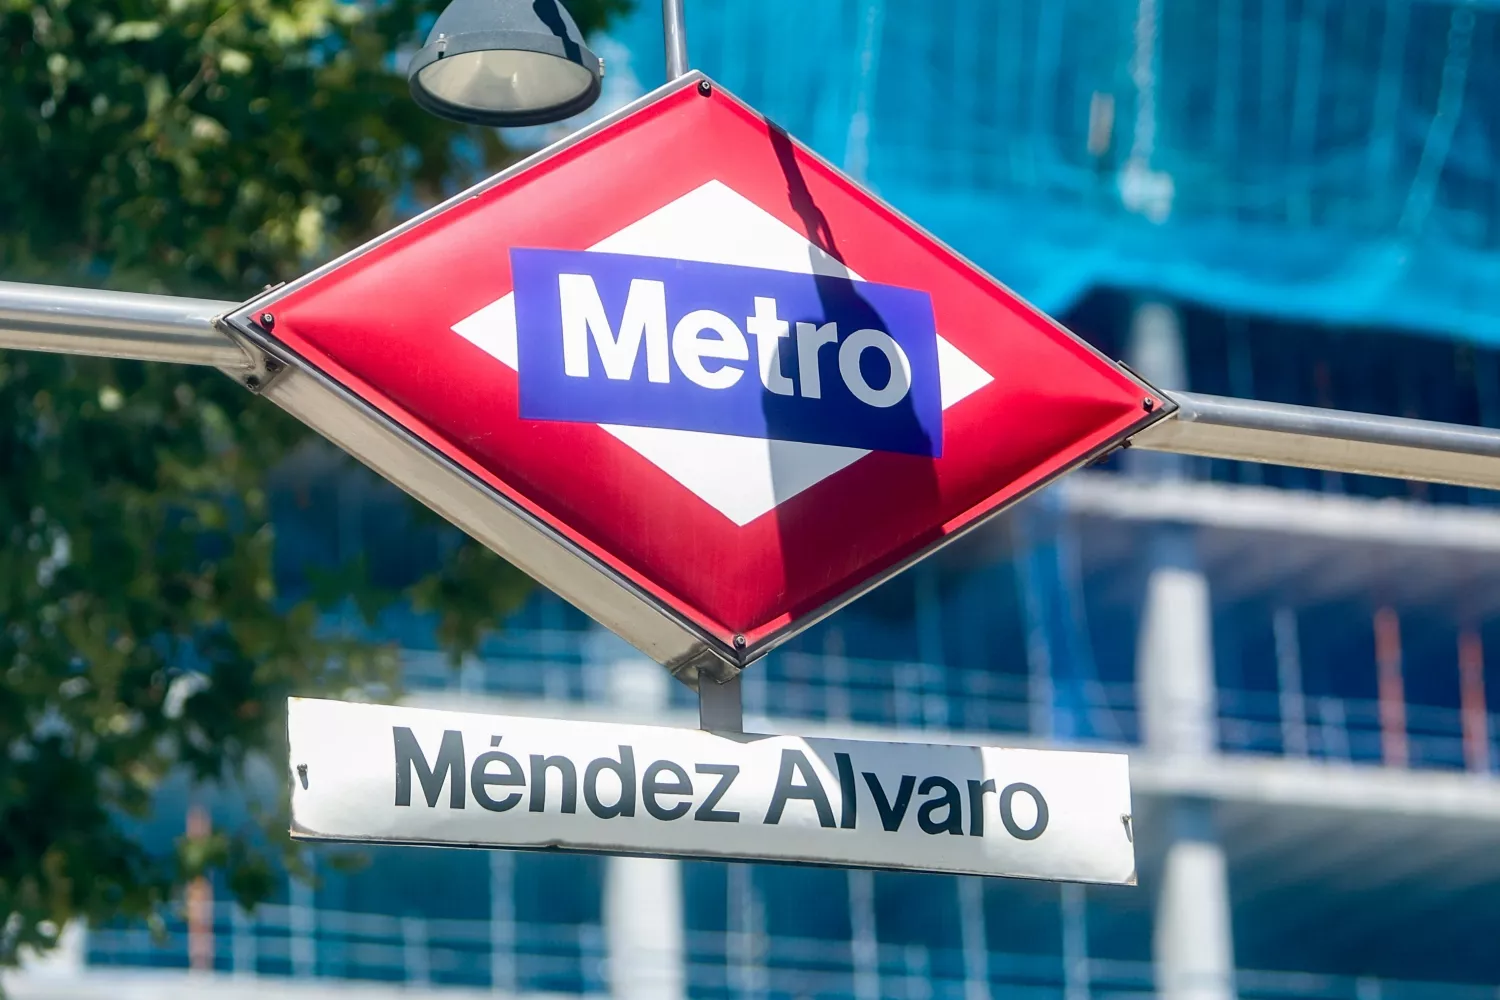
x=645 y=318
x=811 y=337
x=895 y=390
x=769 y=330
x=689 y=348
x=739 y=352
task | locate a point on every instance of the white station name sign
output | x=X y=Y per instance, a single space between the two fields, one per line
x=417 y=776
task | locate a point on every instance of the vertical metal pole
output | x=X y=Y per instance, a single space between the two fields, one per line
x=674 y=34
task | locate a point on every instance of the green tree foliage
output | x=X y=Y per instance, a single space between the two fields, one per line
x=204 y=147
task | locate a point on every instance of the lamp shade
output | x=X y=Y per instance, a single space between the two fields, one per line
x=505 y=62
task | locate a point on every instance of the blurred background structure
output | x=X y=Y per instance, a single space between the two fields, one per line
x=1292 y=200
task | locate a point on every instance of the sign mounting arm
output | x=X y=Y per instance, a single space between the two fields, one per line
x=60 y=319
x=1332 y=440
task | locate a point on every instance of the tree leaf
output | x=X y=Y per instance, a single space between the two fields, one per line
x=135 y=31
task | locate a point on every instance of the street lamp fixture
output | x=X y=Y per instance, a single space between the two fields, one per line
x=505 y=62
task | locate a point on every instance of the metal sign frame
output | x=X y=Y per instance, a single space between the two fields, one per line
x=519 y=536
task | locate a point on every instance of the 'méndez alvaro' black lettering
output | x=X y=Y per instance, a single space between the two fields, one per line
x=942 y=812
x=977 y=790
x=481 y=780
x=498 y=782
x=709 y=811
x=448 y=768
x=653 y=785
x=1008 y=816
x=793 y=764
x=624 y=770
x=891 y=813
x=848 y=792
x=540 y=765
x=952 y=821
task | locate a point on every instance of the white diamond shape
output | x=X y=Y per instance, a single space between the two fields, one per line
x=740 y=477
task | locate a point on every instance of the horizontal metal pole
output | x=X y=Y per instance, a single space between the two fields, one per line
x=168 y=328
x=1335 y=440
x=66 y=320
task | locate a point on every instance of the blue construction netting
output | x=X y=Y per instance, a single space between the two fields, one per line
x=1323 y=160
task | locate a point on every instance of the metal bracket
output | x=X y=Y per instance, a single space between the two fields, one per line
x=263 y=368
x=720 y=708
x=703 y=666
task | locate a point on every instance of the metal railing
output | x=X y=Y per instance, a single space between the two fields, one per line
x=907 y=696
x=311 y=942
x=902 y=695
x=1343 y=729
x=306 y=943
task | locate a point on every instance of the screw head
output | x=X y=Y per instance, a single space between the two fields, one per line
x=252 y=381
x=739 y=642
x=705 y=88
x=1148 y=404
x=267 y=320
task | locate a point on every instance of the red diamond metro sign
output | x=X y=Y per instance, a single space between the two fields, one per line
x=691 y=377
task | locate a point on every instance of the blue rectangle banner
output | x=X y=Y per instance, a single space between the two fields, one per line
x=657 y=342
